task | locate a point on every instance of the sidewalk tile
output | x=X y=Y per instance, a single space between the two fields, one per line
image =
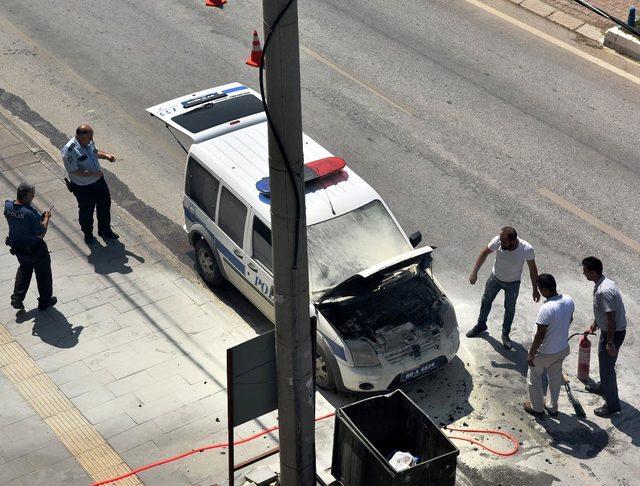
x=93 y=398
x=131 y=383
x=591 y=32
x=20 y=438
x=71 y=355
x=67 y=472
x=565 y=20
x=115 y=425
x=538 y=7
x=17 y=161
x=7 y=137
x=13 y=150
x=182 y=416
x=86 y=382
x=135 y=436
x=107 y=410
x=15 y=468
x=70 y=372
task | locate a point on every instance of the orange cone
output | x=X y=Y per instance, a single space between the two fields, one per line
x=256 y=52
x=214 y=3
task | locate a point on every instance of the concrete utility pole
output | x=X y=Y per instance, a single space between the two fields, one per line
x=296 y=394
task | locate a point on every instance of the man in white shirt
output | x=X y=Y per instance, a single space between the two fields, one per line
x=549 y=348
x=511 y=253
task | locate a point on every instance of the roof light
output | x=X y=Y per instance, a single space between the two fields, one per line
x=316 y=169
x=202 y=99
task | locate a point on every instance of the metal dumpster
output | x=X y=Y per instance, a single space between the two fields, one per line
x=369 y=432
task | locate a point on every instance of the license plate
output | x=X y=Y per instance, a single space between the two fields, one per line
x=422 y=369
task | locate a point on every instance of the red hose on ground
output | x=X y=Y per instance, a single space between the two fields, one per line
x=322 y=417
x=487 y=431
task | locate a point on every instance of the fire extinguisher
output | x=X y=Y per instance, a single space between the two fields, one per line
x=584 y=355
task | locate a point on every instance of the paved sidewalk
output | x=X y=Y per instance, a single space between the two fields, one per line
x=134 y=350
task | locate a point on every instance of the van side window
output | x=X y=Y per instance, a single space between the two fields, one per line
x=232 y=216
x=261 y=243
x=201 y=187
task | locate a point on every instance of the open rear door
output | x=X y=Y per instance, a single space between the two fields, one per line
x=212 y=112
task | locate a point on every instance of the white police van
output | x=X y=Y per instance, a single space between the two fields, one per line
x=382 y=318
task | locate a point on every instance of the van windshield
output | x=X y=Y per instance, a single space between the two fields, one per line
x=344 y=246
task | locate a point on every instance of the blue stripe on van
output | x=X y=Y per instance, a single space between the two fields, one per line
x=229 y=255
x=232 y=90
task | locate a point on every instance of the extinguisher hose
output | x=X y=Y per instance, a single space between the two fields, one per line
x=581 y=334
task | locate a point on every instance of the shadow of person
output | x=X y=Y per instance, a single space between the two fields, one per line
x=515 y=358
x=442 y=394
x=111 y=258
x=628 y=422
x=575 y=436
x=54 y=329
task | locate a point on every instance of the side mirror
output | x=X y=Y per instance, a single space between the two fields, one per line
x=415 y=239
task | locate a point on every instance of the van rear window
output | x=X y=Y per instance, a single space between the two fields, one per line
x=213 y=114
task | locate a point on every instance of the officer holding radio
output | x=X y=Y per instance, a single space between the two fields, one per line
x=27 y=229
x=80 y=157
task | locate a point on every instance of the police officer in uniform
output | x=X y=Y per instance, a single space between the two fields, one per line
x=26 y=239
x=80 y=157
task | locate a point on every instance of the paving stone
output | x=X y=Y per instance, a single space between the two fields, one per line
x=127 y=335
x=36 y=174
x=131 y=383
x=7 y=137
x=141 y=299
x=115 y=425
x=182 y=416
x=20 y=438
x=565 y=20
x=135 y=436
x=107 y=410
x=16 y=468
x=49 y=454
x=67 y=356
x=591 y=32
x=86 y=382
x=70 y=372
x=17 y=148
x=538 y=7
x=17 y=161
x=14 y=408
x=92 y=398
x=67 y=472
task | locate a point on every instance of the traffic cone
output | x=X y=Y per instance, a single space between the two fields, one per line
x=256 y=52
x=214 y=3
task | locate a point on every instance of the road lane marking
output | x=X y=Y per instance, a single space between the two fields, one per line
x=81 y=438
x=369 y=87
x=563 y=45
x=589 y=218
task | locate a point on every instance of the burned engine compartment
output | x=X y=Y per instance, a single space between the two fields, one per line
x=400 y=316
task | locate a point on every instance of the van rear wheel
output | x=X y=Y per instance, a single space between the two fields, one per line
x=207 y=265
x=324 y=374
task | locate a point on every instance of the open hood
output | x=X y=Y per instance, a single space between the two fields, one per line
x=212 y=112
x=369 y=278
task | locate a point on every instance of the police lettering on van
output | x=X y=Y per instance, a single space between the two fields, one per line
x=383 y=319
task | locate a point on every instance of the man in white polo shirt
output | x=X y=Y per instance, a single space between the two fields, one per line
x=511 y=253
x=549 y=348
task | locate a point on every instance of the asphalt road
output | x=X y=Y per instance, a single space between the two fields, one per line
x=459 y=119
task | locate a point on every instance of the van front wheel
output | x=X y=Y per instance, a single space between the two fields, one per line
x=206 y=264
x=324 y=373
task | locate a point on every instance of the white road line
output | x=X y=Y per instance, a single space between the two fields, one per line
x=369 y=87
x=589 y=218
x=563 y=45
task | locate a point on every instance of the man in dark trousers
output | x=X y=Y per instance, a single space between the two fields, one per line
x=26 y=239
x=609 y=316
x=80 y=157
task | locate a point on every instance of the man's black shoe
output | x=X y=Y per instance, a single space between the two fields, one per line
x=604 y=411
x=45 y=305
x=110 y=235
x=89 y=239
x=594 y=388
x=506 y=342
x=16 y=304
x=475 y=330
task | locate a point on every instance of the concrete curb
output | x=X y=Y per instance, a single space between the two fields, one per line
x=562 y=18
x=619 y=40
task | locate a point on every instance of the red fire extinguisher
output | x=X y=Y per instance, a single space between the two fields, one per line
x=584 y=354
x=584 y=358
